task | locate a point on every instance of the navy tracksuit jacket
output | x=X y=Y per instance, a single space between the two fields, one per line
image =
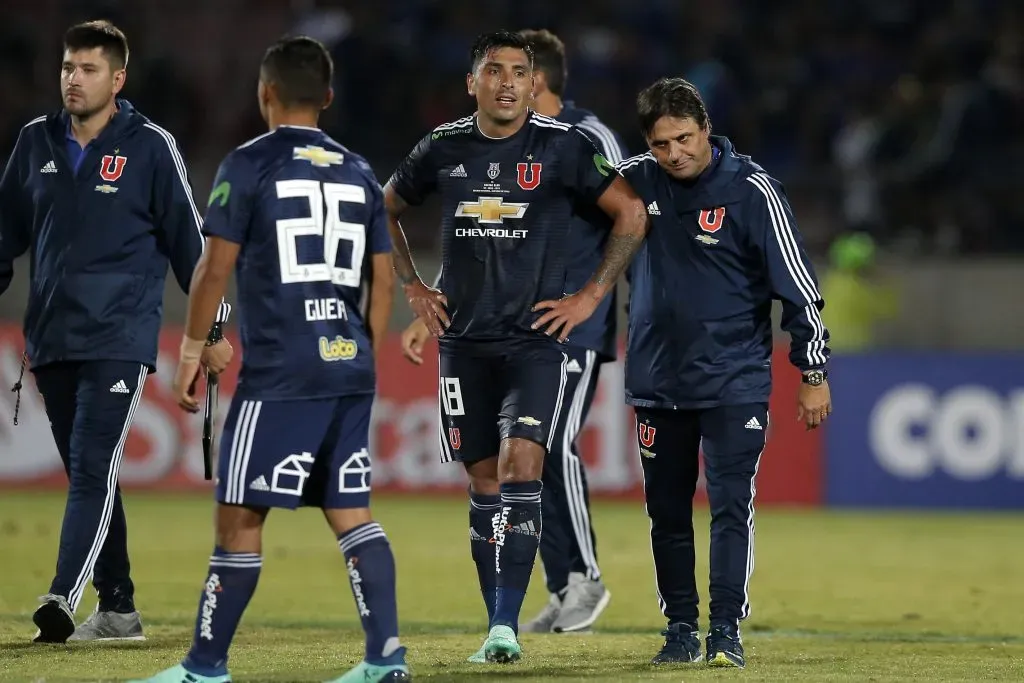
x=101 y=226
x=698 y=360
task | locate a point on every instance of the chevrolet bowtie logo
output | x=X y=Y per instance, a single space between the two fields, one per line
x=490 y=210
x=318 y=156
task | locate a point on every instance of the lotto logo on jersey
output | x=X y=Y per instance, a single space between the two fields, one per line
x=337 y=349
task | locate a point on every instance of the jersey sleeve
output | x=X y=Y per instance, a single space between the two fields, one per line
x=229 y=207
x=607 y=140
x=790 y=272
x=416 y=177
x=585 y=170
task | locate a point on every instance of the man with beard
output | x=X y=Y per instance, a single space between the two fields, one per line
x=101 y=197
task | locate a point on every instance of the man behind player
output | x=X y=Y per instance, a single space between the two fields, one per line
x=303 y=217
x=698 y=369
x=568 y=546
x=508 y=179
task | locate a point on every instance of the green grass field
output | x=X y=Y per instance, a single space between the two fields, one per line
x=837 y=596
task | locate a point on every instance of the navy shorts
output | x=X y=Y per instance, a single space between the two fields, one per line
x=288 y=454
x=486 y=399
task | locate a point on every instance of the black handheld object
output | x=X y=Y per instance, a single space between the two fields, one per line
x=210 y=412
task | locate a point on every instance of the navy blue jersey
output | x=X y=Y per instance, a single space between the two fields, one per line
x=588 y=236
x=719 y=251
x=308 y=214
x=101 y=225
x=506 y=209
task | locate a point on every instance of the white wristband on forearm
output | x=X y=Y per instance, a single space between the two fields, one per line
x=191 y=349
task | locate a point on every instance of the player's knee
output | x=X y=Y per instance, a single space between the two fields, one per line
x=239 y=528
x=483 y=477
x=520 y=460
x=343 y=520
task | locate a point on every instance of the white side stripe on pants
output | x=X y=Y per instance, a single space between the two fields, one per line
x=241 y=447
x=85 y=575
x=745 y=612
x=572 y=471
x=563 y=379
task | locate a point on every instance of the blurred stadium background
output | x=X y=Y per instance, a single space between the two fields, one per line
x=897 y=127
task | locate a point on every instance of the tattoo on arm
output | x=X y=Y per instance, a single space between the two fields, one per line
x=617 y=255
x=394 y=205
x=404 y=267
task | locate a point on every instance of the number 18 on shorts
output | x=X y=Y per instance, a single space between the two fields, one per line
x=287 y=454
x=483 y=400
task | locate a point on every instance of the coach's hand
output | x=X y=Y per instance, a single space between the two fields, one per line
x=814 y=404
x=428 y=305
x=565 y=314
x=217 y=357
x=413 y=339
x=185 y=385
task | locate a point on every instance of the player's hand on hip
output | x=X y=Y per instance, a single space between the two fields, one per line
x=814 y=404
x=413 y=339
x=428 y=305
x=185 y=385
x=565 y=314
x=217 y=357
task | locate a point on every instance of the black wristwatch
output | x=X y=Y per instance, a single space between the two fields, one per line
x=216 y=334
x=814 y=377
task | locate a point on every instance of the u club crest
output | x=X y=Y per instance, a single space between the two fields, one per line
x=711 y=220
x=112 y=166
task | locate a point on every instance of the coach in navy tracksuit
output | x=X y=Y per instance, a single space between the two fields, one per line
x=723 y=244
x=100 y=196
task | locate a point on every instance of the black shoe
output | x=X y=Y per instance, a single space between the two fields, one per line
x=725 y=647
x=682 y=645
x=54 y=618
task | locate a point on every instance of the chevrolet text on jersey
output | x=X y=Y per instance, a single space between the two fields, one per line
x=507 y=209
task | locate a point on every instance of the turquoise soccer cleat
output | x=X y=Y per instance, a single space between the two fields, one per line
x=478 y=657
x=365 y=672
x=179 y=674
x=502 y=646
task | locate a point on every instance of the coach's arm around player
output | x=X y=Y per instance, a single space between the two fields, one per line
x=631 y=223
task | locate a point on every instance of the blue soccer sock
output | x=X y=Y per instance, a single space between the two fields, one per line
x=371 y=573
x=229 y=587
x=517 y=537
x=483 y=509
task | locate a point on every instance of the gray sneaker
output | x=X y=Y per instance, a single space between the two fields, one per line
x=543 y=622
x=54 y=618
x=584 y=601
x=101 y=626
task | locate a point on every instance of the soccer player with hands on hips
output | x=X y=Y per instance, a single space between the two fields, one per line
x=723 y=245
x=568 y=546
x=508 y=180
x=99 y=196
x=300 y=220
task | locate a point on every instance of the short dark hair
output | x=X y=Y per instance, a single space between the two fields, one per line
x=675 y=97
x=101 y=34
x=549 y=57
x=301 y=70
x=486 y=42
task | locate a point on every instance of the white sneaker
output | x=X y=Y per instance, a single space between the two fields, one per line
x=584 y=601
x=543 y=622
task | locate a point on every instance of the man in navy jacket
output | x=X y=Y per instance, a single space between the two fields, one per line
x=100 y=197
x=723 y=244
